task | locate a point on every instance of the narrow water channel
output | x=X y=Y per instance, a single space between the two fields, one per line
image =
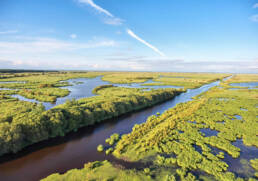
x=82 y=88
x=76 y=149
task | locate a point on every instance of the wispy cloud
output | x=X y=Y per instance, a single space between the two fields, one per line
x=170 y=64
x=255 y=5
x=73 y=36
x=97 y=7
x=132 y=34
x=254 y=18
x=113 y=21
x=8 y=32
x=46 y=45
x=110 y=19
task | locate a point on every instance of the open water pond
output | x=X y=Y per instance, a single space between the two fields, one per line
x=77 y=90
x=238 y=117
x=75 y=149
x=250 y=85
x=240 y=165
x=209 y=132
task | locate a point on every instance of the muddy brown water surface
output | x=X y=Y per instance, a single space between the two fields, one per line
x=75 y=149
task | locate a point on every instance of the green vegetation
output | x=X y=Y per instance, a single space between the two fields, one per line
x=113 y=139
x=254 y=164
x=109 y=150
x=42 y=86
x=99 y=171
x=187 y=80
x=129 y=77
x=172 y=144
x=244 y=78
x=175 y=146
x=176 y=133
x=100 y=148
x=96 y=89
x=31 y=123
x=44 y=94
x=104 y=170
x=45 y=86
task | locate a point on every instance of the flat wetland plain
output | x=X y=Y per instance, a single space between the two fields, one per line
x=128 y=126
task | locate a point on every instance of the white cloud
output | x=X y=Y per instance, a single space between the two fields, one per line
x=113 y=21
x=134 y=64
x=95 y=6
x=8 y=32
x=254 y=18
x=132 y=34
x=73 y=36
x=110 y=19
x=43 y=45
x=255 y=5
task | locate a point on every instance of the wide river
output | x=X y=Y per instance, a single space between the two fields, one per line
x=77 y=148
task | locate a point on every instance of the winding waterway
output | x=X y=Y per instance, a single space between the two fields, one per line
x=82 y=88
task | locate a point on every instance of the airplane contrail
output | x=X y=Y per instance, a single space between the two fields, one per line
x=132 y=34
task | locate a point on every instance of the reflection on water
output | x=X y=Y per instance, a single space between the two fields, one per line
x=209 y=132
x=250 y=85
x=240 y=166
x=76 y=149
x=238 y=117
x=12 y=82
x=6 y=89
x=82 y=88
x=243 y=109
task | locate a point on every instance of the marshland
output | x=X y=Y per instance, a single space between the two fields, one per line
x=129 y=90
x=102 y=121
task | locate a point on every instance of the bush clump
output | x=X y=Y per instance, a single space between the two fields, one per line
x=100 y=148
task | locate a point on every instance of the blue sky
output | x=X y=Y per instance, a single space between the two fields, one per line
x=133 y=35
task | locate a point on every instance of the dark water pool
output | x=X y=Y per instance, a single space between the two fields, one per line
x=240 y=166
x=209 y=132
